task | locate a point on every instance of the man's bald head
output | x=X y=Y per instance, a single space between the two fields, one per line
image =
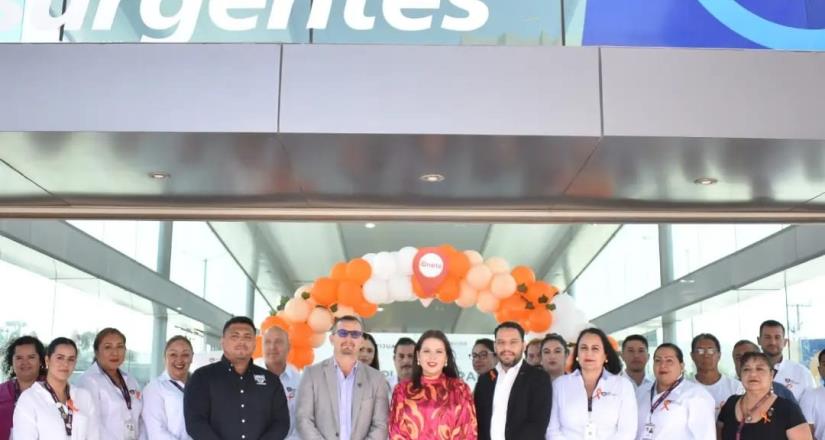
x=276 y=346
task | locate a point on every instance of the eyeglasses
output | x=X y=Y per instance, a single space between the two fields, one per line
x=482 y=355
x=705 y=351
x=354 y=334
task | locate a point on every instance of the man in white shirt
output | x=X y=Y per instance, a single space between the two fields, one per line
x=276 y=350
x=706 y=354
x=794 y=376
x=635 y=356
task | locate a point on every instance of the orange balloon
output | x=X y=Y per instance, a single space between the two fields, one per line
x=274 y=321
x=458 y=264
x=517 y=307
x=325 y=291
x=418 y=290
x=540 y=292
x=301 y=357
x=259 y=347
x=448 y=292
x=339 y=271
x=524 y=277
x=539 y=320
x=366 y=309
x=448 y=249
x=613 y=342
x=350 y=294
x=300 y=335
x=359 y=270
x=504 y=315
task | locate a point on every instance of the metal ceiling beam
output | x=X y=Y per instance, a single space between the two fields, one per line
x=65 y=243
x=790 y=247
x=211 y=212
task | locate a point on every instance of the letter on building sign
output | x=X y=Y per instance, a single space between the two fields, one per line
x=477 y=15
x=319 y=14
x=219 y=13
x=105 y=15
x=72 y=19
x=281 y=11
x=185 y=20
x=355 y=15
x=394 y=14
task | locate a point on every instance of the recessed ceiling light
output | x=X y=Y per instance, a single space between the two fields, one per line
x=380 y=309
x=686 y=281
x=432 y=178
x=370 y=225
x=159 y=175
x=706 y=181
x=180 y=308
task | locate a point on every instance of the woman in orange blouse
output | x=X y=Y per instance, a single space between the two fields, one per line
x=435 y=404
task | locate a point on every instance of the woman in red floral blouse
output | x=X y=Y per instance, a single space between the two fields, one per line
x=435 y=404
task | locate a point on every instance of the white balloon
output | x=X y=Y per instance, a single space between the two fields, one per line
x=400 y=288
x=369 y=258
x=377 y=291
x=569 y=320
x=404 y=259
x=384 y=266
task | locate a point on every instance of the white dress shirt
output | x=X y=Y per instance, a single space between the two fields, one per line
x=794 y=376
x=113 y=414
x=685 y=414
x=163 y=409
x=721 y=390
x=501 y=399
x=646 y=381
x=813 y=407
x=36 y=416
x=614 y=413
x=290 y=379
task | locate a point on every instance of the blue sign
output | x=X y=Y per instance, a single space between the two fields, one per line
x=785 y=24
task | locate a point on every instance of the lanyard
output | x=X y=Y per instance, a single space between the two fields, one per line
x=746 y=417
x=664 y=395
x=177 y=385
x=65 y=410
x=590 y=397
x=124 y=389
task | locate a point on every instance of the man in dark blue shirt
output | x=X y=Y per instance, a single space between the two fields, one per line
x=233 y=398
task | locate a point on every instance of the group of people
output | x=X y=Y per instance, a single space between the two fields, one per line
x=524 y=390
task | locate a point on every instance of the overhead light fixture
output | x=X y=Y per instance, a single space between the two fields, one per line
x=706 y=181
x=370 y=225
x=687 y=281
x=159 y=175
x=432 y=178
x=380 y=309
x=179 y=308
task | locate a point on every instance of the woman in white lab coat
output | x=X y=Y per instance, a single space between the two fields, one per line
x=116 y=394
x=593 y=402
x=163 y=397
x=52 y=409
x=674 y=408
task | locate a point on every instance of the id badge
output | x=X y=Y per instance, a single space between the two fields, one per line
x=647 y=432
x=131 y=431
x=590 y=431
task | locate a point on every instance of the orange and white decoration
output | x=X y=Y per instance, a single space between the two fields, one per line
x=360 y=286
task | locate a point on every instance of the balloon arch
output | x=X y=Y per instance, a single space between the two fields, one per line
x=360 y=286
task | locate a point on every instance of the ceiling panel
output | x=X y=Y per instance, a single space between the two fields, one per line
x=754 y=174
x=16 y=188
x=83 y=168
x=385 y=170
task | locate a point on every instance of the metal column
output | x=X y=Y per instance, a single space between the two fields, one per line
x=160 y=317
x=666 y=277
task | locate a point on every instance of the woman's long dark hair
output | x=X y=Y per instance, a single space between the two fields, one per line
x=450 y=369
x=374 y=363
x=613 y=365
x=8 y=358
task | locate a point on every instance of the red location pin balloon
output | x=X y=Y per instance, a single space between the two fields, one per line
x=430 y=269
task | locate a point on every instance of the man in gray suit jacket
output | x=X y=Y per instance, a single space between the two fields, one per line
x=341 y=398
